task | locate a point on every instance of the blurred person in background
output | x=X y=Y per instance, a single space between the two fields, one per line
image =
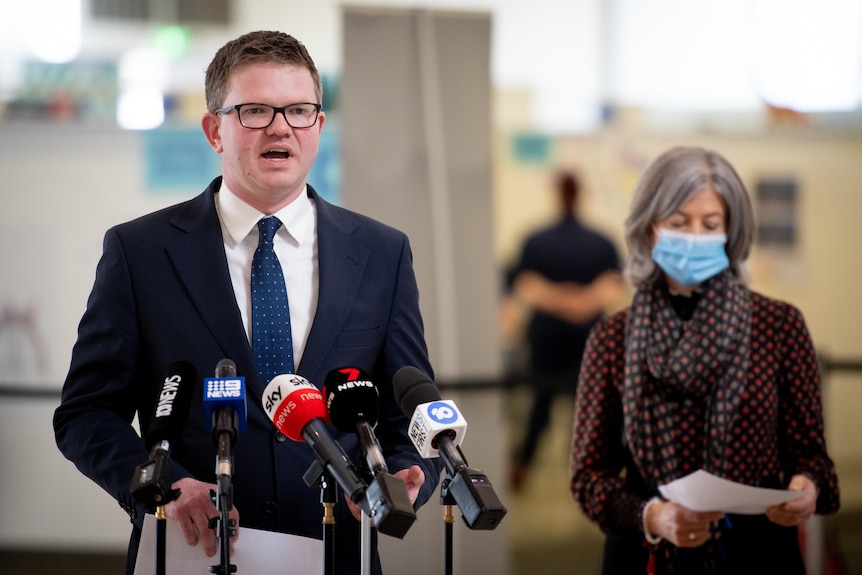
x=567 y=276
x=699 y=372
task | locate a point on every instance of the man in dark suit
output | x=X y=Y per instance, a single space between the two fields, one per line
x=174 y=285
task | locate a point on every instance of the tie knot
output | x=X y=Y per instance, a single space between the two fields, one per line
x=268 y=226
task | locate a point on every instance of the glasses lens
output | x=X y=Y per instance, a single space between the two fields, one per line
x=255 y=115
x=261 y=115
x=301 y=115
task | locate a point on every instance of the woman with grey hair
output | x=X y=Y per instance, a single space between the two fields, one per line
x=699 y=372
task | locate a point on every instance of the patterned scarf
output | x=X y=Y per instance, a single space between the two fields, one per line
x=705 y=358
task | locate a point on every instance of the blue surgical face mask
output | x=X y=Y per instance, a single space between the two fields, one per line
x=690 y=259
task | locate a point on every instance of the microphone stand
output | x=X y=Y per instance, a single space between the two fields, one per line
x=151 y=488
x=328 y=495
x=318 y=476
x=365 y=553
x=161 y=537
x=224 y=527
x=225 y=433
x=447 y=501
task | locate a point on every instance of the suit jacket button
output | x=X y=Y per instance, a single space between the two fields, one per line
x=280 y=437
x=270 y=507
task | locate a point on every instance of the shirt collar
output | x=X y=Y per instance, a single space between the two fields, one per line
x=240 y=219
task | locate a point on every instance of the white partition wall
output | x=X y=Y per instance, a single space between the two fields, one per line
x=416 y=150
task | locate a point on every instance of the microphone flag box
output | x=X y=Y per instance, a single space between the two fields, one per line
x=430 y=420
x=222 y=392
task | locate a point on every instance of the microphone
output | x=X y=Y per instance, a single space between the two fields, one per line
x=297 y=410
x=353 y=403
x=225 y=401
x=225 y=410
x=436 y=430
x=151 y=483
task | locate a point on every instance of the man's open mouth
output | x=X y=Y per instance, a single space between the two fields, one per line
x=276 y=155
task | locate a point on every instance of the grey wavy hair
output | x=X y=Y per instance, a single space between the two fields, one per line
x=669 y=182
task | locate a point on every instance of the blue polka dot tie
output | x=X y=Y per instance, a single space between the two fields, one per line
x=270 y=314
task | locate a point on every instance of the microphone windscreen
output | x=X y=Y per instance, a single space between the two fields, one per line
x=351 y=397
x=413 y=387
x=172 y=404
x=225 y=368
x=291 y=402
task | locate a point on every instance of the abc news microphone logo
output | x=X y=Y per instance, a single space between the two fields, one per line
x=170 y=387
x=224 y=388
x=433 y=418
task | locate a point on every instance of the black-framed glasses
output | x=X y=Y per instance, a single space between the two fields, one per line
x=259 y=116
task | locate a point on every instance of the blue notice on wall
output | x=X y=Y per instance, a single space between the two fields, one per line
x=531 y=148
x=325 y=173
x=178 y=159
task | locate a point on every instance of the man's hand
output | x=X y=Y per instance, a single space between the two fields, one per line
x=413 y=478
x=193 y=510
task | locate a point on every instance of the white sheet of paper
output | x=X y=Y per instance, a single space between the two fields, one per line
x=256 y=552
x=703 y=491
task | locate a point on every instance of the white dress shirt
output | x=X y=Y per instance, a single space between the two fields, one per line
x=295 y=245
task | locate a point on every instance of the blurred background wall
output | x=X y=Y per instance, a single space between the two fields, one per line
x=100 y=103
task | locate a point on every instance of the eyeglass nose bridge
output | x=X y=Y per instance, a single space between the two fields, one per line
x=282 y=111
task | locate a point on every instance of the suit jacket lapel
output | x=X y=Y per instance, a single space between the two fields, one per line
x=201 y=264
x=341 y=266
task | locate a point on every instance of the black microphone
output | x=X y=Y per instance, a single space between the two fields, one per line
x=437 y=429
x=354 y=402
x=151 y=483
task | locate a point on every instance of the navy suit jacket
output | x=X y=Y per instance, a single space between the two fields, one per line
x=162 y=294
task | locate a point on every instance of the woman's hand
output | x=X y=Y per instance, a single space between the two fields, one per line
x=679 y=525
x=799 y=510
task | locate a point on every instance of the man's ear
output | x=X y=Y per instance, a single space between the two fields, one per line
x=211 y=125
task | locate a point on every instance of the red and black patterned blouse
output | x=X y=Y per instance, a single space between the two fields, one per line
x=773 y=424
